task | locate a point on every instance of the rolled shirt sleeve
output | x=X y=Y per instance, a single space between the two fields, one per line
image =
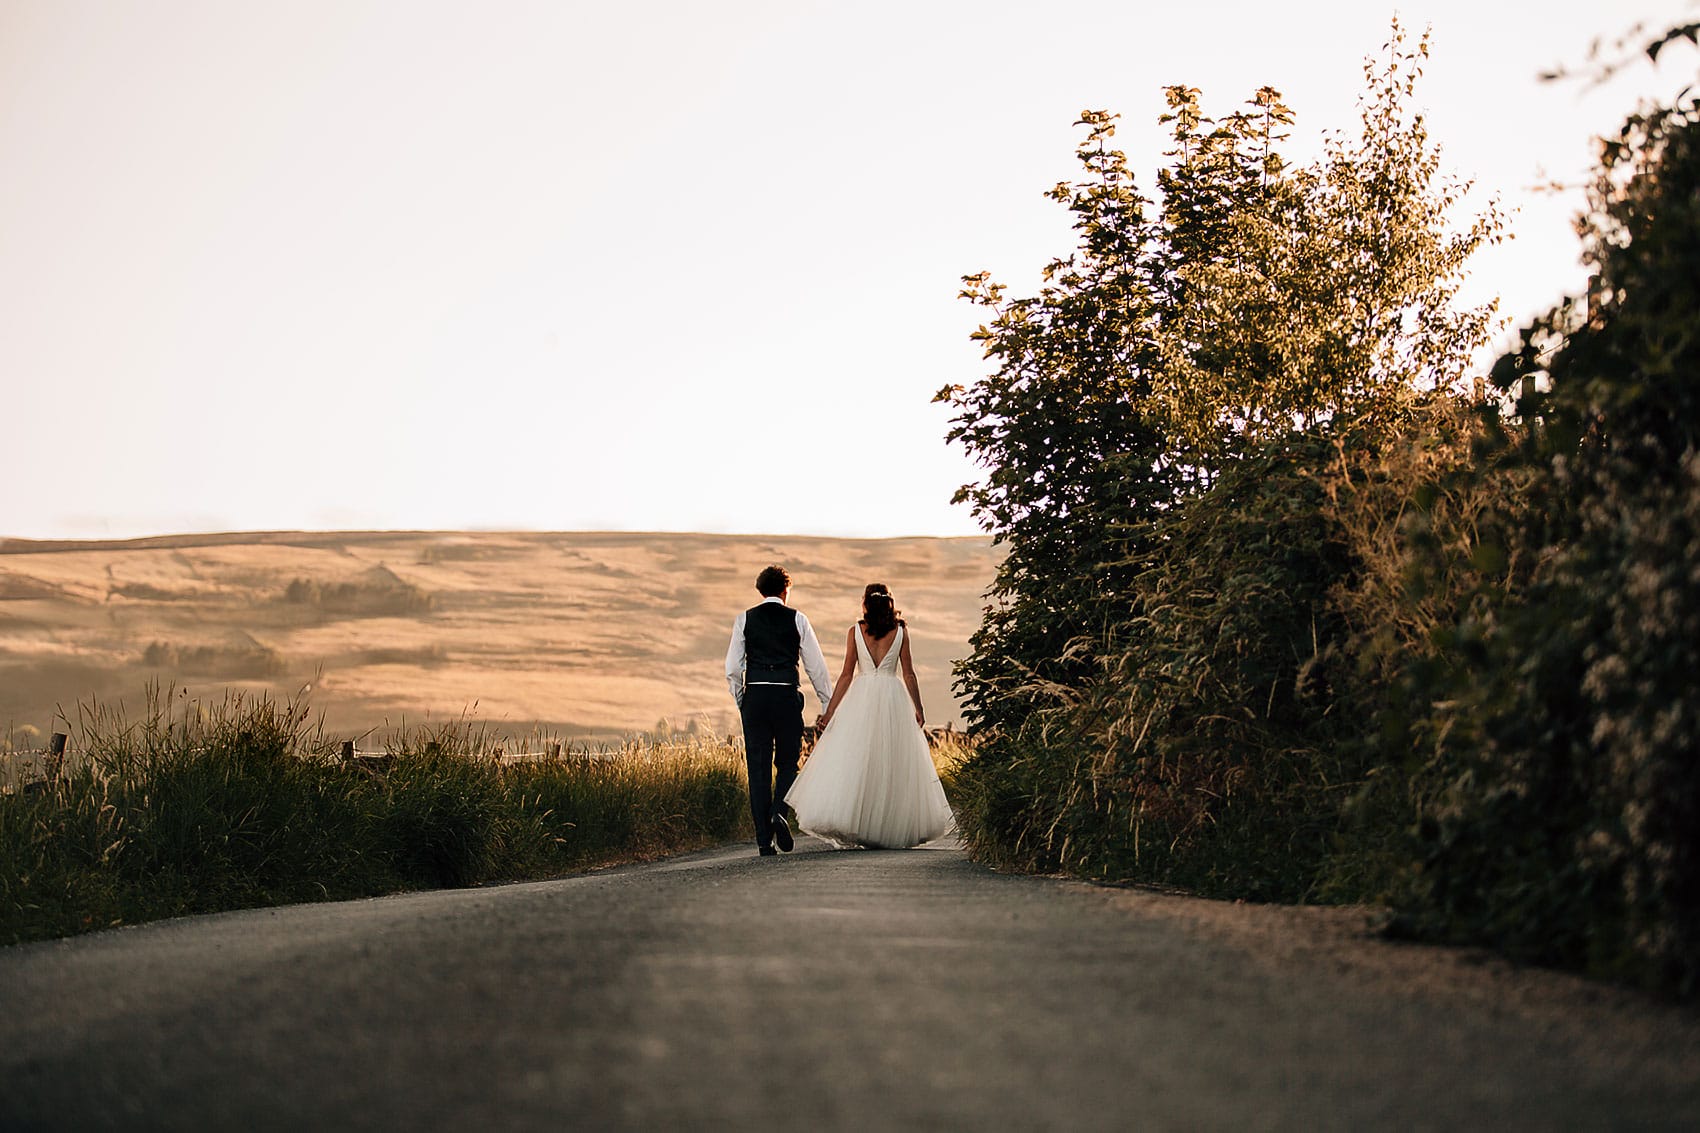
x=735 y=662
x=814 y=662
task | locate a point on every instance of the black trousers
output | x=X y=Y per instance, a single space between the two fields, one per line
x=773 y=742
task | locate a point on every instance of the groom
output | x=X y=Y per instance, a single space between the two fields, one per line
x=761 y=669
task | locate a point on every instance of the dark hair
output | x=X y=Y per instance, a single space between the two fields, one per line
x=879 y=611
x=773 y=582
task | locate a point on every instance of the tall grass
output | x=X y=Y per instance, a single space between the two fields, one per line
x=200 y=807
x=950 y=751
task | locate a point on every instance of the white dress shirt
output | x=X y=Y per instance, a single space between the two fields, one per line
x=814 y=663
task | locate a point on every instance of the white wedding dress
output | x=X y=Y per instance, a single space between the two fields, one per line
x=870 y=780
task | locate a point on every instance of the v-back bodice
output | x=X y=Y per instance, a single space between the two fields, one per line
x=888 y=663
x=870 y=780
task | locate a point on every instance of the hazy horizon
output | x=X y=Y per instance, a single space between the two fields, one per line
x=237 y=533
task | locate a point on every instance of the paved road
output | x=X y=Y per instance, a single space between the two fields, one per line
x=819 y=990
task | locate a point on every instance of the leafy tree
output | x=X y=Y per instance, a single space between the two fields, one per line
x=1152 y=430
x=1074 y=458
x=1315 y=294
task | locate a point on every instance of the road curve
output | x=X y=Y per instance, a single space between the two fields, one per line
x=816 y=990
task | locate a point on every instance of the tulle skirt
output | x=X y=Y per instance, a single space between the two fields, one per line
x=870 y=780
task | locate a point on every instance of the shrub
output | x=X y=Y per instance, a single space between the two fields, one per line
x=1562 y=823
x=199 y=808
x=1162 y=686
x=1205 y=751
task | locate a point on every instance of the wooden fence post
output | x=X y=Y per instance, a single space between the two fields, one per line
x=348 y=751
x=56 y=754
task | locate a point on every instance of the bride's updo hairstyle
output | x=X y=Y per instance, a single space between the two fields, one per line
x=879 y=612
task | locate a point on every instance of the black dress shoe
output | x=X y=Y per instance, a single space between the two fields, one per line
x=782 y=833
x=768 y=851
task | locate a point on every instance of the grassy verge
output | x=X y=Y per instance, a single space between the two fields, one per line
x=198 y=808
x=951 y=751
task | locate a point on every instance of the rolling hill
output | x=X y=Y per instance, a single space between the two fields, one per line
x=581 y=635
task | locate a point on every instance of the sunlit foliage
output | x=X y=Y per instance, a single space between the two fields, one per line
x=1154 y=428
x=1296 y=606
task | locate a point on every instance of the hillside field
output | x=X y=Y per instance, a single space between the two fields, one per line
x=578 y=635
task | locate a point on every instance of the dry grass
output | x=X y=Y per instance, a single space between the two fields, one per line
x=588 y=636
x=195 y=807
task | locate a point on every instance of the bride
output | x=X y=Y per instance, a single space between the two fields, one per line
x=870 y=780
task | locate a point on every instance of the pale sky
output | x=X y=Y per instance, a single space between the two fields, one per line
x=645 y=266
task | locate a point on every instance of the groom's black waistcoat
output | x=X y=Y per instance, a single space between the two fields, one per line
x=771 y=644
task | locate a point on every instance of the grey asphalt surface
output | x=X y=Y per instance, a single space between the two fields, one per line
x=816 y=990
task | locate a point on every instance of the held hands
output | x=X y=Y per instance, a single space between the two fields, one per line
x=822 y=721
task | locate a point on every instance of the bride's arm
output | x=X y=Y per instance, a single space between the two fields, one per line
x=909 y=679
x=844 y=678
